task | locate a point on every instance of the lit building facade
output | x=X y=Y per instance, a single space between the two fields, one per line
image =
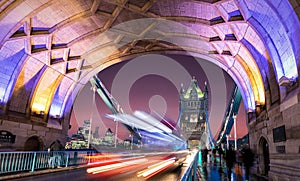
x=86 y=129
x=193 y=118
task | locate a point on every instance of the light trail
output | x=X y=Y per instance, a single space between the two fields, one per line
x=151 y=120
x=155 y=169
x=109 y=167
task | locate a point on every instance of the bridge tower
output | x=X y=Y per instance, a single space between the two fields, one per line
x=193 y=116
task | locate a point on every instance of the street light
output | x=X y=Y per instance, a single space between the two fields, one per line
x=234 y=129
x=131 y=136
x=116 y=134
x=227 y=140
x=93 y=88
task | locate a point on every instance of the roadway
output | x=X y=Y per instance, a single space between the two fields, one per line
x=209 y=173
x=81 y=174
x=150 y=167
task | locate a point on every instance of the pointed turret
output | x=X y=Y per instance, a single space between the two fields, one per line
x=205 y=90
x=181 y=91
x=193 y=91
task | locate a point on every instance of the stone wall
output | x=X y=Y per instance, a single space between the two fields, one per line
x=284 y=154
x=23 y=130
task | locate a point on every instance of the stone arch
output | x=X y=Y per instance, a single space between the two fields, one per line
x=247 y=92
x=34 y=143
x=98 y=58
x=116 y=59
x=263 y=156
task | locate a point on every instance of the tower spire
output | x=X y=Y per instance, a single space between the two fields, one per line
x=193 y=116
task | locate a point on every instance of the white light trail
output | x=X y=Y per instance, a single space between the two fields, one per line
x=151 y=120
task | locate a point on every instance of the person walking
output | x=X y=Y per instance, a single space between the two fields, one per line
x=220 y=154
x=248 y=159
x=204 y=153
x=230 y=160
x=214 y=154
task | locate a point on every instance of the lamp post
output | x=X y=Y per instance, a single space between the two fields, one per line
x=116 y=134
x=227 y=140
x=131 y=144
x=234 y=129
x=93 y=88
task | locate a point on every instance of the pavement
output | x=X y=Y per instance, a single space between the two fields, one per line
x=219 y=173
x=38 y=172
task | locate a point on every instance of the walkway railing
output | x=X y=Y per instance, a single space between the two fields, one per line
x=190 y=174
x=14 y=162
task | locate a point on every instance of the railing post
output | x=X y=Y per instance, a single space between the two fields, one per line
x=195 y=164
x=194 y=169
x=75 y=157
x=33 y=162
x=190 y=177
x=67 y=159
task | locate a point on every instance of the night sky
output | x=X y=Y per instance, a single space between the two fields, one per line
x=151 y=83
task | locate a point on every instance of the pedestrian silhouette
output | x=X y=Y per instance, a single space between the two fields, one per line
x=214 y=159
x=230 y=160
x=238 y=166
x=248 y=159
x=204 y=153
x=220 y=153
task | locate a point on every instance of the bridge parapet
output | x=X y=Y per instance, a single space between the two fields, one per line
x=15 y=162
x=190 y=167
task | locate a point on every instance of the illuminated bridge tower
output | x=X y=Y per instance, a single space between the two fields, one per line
x=193 y=117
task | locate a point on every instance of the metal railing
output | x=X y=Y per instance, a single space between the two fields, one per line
x=17 y=162
x=14 y=162
x=190 y=173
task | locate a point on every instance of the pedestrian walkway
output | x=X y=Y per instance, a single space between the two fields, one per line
x=217 y=173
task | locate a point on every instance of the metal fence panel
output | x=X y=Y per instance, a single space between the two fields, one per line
x=13 y=162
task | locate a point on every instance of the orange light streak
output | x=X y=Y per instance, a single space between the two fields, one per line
x=156 y=168
x=109 y=167
x=113 y=160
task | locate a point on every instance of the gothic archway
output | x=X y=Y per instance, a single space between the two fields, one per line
x=263 y=155
x=33 y=143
